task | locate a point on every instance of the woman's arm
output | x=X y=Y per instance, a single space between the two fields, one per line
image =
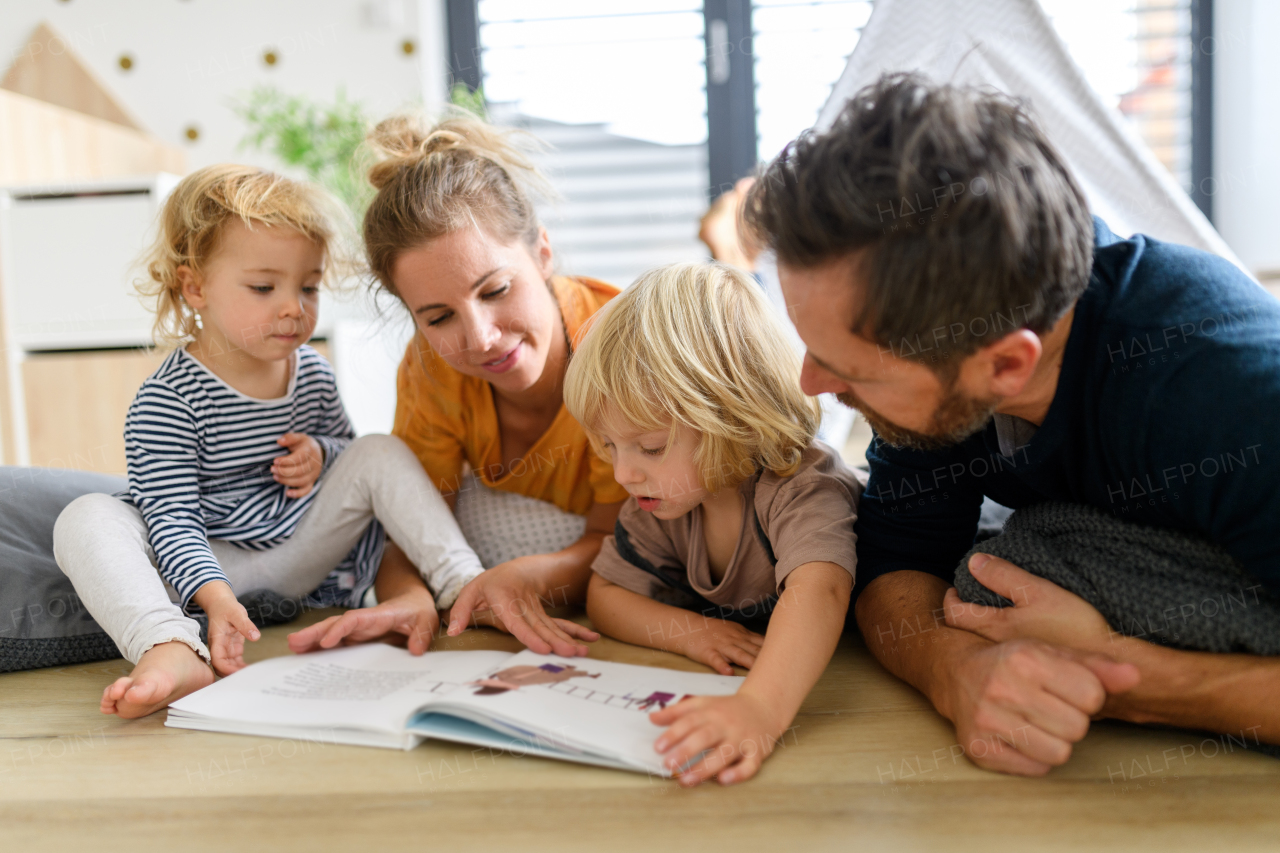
x=738 y=732
x=517 y=592
x=641 y=621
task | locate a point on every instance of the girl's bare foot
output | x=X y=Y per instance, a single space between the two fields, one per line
x=165 y=674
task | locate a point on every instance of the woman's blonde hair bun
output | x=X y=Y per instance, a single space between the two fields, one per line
x=432 y=179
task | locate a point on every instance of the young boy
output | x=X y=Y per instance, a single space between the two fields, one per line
x=737 y=517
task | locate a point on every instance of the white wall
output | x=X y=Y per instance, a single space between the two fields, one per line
x=191 y=58
x=1247 y=130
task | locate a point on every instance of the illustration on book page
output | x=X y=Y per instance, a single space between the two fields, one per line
x=515 y=677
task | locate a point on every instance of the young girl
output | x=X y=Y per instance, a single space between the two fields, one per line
x=243 y=472
x=736 y=517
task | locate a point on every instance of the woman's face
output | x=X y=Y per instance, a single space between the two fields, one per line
x=482 y=305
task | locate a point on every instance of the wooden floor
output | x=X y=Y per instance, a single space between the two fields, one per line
x=868 y=766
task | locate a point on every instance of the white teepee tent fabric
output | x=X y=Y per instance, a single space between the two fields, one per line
x=1011 y=45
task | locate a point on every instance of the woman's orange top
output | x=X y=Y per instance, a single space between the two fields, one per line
x=446 y=416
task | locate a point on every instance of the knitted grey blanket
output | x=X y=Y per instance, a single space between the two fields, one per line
x=1160 y=585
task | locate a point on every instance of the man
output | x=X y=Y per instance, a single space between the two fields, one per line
x=939 y=262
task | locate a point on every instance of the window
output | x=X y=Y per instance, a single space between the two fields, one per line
x=801 y=48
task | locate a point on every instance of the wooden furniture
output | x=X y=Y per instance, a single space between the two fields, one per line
x=59 y=128
x=868 y=766
x=76 y=404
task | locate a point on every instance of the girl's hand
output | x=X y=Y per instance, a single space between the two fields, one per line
x=229 y=626
x=736 y=733
x=301 y=467
x=413 y=615
x=721 y=643
x=511 y=596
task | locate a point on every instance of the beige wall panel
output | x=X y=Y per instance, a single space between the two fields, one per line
x=76 y=405
x=42 y=143
x=49 y=71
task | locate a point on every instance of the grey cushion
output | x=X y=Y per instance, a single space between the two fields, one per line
x=1161 y=585
x=42 y=622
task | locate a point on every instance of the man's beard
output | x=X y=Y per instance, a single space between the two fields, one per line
x=956 y=418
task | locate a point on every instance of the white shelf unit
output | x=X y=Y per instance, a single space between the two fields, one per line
x=68 y=258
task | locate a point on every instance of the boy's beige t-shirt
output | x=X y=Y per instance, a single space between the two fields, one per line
x=786 y=522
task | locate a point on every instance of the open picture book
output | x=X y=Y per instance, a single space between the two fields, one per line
x=574 y=709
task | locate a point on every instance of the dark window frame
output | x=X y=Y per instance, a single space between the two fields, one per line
x=1203 y=47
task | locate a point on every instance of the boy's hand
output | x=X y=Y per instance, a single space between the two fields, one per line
x=736 y=732
x=229 y=626
x=301 y=467
x=412 y=614
x=721 y=643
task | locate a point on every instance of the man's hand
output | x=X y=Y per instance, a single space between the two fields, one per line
x=413 y=615
x=229 y=626
x=1041 y=610
x=510 y=597
x=736 y=732
x=720 y=643
x=300 y=467
x=1019 y=706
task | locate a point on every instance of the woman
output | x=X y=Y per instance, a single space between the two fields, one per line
x=453 y=235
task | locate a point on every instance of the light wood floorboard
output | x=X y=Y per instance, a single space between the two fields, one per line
x=868 y=766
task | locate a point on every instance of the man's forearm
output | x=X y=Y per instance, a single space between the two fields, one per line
x=1225 y=693
x=901 y=618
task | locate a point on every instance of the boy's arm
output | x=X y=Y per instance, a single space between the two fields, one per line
x=802 y=636
x=803 y=632
x=641 y=621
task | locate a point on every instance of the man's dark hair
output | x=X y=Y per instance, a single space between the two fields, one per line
x=976 y=226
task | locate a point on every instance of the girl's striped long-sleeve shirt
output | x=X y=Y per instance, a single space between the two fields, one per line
x=199 y=462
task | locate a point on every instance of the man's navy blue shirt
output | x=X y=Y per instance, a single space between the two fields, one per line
x=1167 y=413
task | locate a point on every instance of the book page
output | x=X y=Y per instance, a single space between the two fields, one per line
x=374 y=687
x=580 y=703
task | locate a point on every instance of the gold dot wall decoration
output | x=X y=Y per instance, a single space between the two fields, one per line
x=407 y=47
x=125 y=62
x=270 y=57
x=192 y=133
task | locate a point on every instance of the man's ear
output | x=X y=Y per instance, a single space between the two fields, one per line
x=191 y=286
x=1005 y=367
x=542 y=254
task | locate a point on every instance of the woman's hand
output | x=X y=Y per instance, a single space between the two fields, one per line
x=511 y=595
x=733 y=734
x=413 y=614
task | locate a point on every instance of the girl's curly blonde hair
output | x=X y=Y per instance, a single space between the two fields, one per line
x=191 y=223
x=696 y=344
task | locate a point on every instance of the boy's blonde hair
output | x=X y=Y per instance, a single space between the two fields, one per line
x=192 y=221
x=696 y=344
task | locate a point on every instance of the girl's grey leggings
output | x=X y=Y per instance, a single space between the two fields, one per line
x=101 y=543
